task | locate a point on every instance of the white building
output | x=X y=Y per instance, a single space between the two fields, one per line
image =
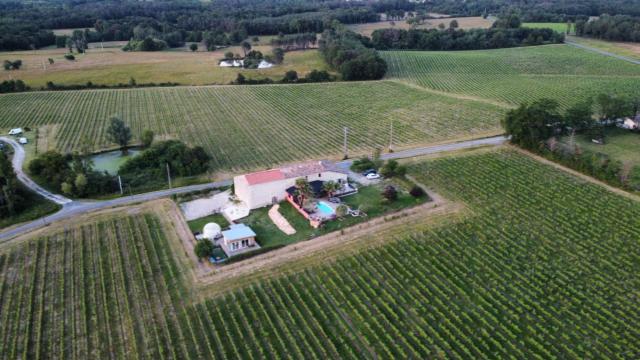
x=270 y=186
x=231 y=63
x=265 y=65
x=16 y=131
x=631 y=123
x=238 y=239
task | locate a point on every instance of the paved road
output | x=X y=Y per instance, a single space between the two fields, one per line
x=602 y=52
x=18 y=160
x=73 y=208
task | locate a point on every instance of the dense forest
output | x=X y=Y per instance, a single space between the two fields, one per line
x=27 y=25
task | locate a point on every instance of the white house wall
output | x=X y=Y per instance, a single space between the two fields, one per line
x=259 y=195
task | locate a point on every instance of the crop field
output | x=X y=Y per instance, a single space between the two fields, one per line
x=628 y=49
x=511 y=281
x=471 y=22
x=111 y=65
x=517 y=75
x=258 y=126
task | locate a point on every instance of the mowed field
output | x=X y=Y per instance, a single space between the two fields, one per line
x=509 y=281
x=559 y=27
x=512 y=76
x=463 y=22
x=245 y=127
x=111 y=65
x=628 y=49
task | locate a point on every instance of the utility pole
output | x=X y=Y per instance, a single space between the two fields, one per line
x=120 y=183
x=169 y=176
x=344 y=145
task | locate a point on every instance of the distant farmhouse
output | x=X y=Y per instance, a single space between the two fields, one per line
x=269 y=187
x=631 y=123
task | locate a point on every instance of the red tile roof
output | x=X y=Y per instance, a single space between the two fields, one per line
x=264 y=176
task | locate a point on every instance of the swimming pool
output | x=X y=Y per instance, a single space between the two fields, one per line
x=325 y=209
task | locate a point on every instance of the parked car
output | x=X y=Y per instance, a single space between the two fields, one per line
x=335 y=200
x=367 y=172
x=372 y=176
x=16 y=131
x=23 y=140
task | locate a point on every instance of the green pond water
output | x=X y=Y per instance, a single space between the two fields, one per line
x=111 y=161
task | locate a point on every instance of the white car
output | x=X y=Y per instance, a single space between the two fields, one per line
x=372 y=176
x=16 y=131
x=23 y=140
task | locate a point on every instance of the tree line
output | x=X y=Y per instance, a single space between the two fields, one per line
x=456 y=39
x=614 y=28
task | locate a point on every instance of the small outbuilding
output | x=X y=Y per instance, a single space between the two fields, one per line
x=16 y=131
x=238 y=239
x=264 y=65
x=211 y=231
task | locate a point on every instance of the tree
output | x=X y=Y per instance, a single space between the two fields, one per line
x=392 y=168
x=255 y=39
x=531 y=124
x=119 y=133
x=580 y=116
x=66 y=188
x=51 y=61
x=12 y=65
x=390 y=193
x=278 y=55
x=290 y=76
x=81 y=184
x=246 y=47
x=147 y=138
x=612 y=107
x=453 y=24
x=193 y=47
x=331 y=187
x=203 y=249
x=9 y=198
x=441 y=26
x=303 y=190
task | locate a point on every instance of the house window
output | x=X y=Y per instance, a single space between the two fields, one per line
x=320 y=175
x=245 y=243
x=234 y=246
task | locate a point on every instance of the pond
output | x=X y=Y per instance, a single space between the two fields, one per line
x=112 y=160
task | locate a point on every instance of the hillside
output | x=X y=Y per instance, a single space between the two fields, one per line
x=516 y=75
x=258 y=126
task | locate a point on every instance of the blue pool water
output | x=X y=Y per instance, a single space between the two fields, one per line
x=325 y=209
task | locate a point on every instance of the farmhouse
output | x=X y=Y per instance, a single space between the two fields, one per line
x=237 y=239
x=270 y=186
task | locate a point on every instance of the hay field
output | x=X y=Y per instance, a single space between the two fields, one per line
x=111 y=65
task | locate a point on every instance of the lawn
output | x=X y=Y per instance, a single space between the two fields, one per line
x=620 y=144
x=559 y=27
x=463 y=22
x=516 y=75
x=198 y=224
x=368 y=199
x=545 y=267
x=112 y=66
x=254 y=127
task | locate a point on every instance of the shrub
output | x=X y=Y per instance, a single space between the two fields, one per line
x=390 y=193
x=416 y=191
x=391 y=168
x=69 y=57
x=203 y=249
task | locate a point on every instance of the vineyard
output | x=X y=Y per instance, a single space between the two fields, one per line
x=547 y=267
x=258 y=126
x=517 y=75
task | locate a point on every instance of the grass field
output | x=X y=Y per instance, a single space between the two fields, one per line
x=508 y=282
x=257 y=126
x=559 y=27
x=619 y=144
x=111 y=66
x=628 y=49
x=516 y=75
x=464 y=23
